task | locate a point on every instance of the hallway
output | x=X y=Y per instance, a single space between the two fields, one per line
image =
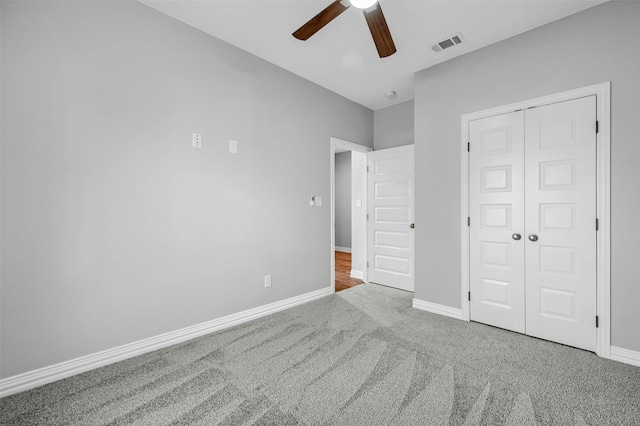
x=343 y=270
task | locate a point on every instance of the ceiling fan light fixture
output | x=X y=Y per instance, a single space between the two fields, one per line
x=363 y=4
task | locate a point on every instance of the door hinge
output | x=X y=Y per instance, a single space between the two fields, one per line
x=468 y=146
x=468 y=221
x=367 y=263
x=367 y=169
x=367 y=216
x=597 y=224
x=469 y=296
x=597 y=321
x=597 y=126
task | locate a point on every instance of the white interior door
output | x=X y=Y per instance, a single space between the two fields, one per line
x=390 y=225
x=560 y=189
x=533 y=221
x=496 y=173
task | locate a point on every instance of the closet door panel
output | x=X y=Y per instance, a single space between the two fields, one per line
x=496 y=187
x=560 y=215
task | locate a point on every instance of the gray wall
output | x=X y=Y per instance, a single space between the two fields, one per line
x=597 y=45
x=114 y=229
x=393 y=126
x=343 y=199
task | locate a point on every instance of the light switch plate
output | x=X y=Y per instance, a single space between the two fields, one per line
x=233 y=147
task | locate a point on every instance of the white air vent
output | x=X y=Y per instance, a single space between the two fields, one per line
x=447 y=43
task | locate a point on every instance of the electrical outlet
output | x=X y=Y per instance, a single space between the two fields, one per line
x=196 y=140
x=267 y=281
x=318 y=201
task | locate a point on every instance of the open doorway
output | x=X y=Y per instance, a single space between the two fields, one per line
x=343 y=219
x=348 y=214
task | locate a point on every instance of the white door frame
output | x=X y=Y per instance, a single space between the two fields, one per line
x=350 y=146
x=602 y=92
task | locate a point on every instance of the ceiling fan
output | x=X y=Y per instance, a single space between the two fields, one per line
x=372 y=13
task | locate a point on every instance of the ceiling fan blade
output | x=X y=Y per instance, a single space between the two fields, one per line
x=320 y=20
x=380 y=32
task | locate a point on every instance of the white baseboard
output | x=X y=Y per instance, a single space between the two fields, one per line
x=625 y=355
x=437 y=309
x=356 y=274
x=52 y=373
x=617 y=354
x=343 y=249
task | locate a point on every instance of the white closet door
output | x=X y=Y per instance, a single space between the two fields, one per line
x=496 y=174
x=560 y=200
x=390 y=231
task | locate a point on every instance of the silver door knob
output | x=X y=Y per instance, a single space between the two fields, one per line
x=516 y=236
x=413 y=225
x=533 y=237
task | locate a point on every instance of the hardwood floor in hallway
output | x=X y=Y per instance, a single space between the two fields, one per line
x=343 y=272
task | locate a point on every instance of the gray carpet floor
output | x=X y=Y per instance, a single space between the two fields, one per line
x=360 y=357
